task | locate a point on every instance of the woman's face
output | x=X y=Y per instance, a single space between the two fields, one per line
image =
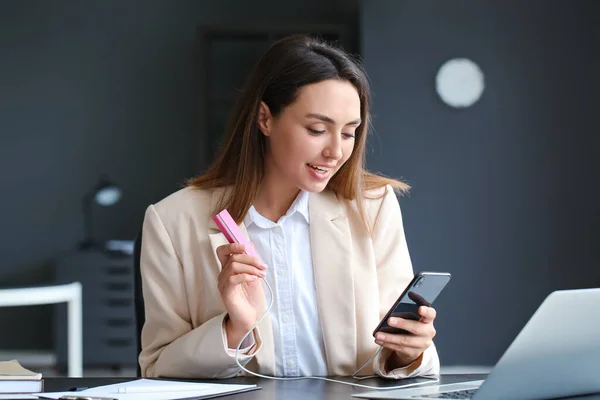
x=312 y=138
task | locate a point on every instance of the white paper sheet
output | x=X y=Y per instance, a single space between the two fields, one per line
x=150 y=389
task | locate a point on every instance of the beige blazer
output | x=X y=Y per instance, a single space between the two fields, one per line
x=358 y=277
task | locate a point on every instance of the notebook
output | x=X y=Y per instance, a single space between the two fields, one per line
x=156 y=389
x=16 y=379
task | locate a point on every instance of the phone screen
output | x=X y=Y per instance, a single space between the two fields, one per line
x=422 y=291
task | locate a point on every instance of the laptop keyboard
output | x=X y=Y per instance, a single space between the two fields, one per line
x=459 y=394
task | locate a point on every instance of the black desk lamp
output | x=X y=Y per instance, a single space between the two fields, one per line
x=105 y=193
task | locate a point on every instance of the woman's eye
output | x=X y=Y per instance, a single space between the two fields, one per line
x=348 y=135
x=315 y=132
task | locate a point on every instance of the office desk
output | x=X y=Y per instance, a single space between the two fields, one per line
x=307 y=389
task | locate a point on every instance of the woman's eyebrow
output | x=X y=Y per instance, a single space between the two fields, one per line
x=325 y=118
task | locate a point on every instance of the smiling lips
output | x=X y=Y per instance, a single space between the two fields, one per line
x=320 y=171
x=320 y=168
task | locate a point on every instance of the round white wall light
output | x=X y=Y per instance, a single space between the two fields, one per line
x=459 y=82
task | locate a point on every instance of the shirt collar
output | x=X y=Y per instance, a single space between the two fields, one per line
x=300 y=205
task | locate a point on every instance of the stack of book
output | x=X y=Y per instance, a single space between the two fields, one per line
x=16 y=379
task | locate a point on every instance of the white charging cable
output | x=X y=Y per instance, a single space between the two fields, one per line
x=237 y=349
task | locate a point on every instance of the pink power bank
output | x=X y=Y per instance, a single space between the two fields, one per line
x=232 y=231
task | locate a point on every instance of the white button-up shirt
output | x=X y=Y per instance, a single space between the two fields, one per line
x=285 y=247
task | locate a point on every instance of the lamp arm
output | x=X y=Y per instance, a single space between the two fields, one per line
x=88 y=229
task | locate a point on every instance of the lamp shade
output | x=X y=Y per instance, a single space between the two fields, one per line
x=108 y=195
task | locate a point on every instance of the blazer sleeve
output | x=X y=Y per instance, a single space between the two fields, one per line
x=394 y=269
x=171 y=346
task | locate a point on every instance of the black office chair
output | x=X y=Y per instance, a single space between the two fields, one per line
x=140 y=313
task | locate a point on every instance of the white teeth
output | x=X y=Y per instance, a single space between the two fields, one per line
x=319 y=168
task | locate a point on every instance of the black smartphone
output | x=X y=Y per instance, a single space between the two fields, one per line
x=424 y=288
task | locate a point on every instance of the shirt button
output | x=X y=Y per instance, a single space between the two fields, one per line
x=290 y=362
x=286 y=318
x=281 y=272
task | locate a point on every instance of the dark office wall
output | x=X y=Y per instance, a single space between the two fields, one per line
x=97 y=87
x=505 y=193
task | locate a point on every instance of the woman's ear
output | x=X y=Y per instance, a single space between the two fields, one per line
x=265 y=120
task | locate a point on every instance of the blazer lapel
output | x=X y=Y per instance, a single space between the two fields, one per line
x=265 y=358
x=331 y=246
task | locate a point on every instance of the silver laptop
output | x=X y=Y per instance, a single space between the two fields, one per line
x=556 y=354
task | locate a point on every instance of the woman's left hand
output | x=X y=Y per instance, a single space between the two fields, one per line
x=408 y=347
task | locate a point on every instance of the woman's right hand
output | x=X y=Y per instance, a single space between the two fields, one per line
x=241 y=290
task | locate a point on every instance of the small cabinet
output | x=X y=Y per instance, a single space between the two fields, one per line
x=108 y=314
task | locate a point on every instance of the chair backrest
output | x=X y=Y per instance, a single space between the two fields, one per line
x=140 y=314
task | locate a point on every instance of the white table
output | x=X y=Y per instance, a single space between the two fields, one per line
x=38 y=295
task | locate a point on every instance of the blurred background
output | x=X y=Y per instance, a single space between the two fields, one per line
x=109 y=106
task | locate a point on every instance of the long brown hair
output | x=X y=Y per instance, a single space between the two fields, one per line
x=287 y=66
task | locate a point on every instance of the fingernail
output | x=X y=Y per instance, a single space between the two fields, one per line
x=380 y=337
x=265 y=266
x=392 y=321
x=379 y=343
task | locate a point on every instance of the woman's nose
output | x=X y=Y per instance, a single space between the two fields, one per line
x=333 y=149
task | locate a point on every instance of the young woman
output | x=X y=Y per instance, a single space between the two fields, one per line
x=329 y=235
